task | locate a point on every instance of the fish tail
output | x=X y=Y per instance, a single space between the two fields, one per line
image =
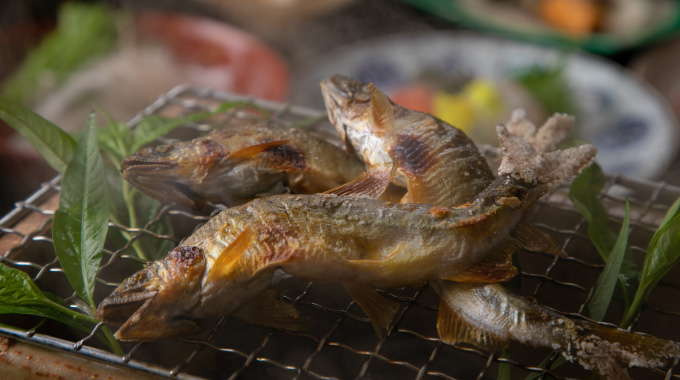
x=609 y=350
x=489 y=315
x=531 y=155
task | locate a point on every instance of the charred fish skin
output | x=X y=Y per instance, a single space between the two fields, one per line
x=232 y=165
x=428 y=150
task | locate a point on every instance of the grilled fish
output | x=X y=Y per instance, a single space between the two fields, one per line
x=352 y=239
x=232 y=165
x=484 y=315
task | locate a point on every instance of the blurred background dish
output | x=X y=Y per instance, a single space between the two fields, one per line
x=474 y=82
x=604 y=27
x=119 y=62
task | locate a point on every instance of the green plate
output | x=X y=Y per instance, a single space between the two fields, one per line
x=503 y=24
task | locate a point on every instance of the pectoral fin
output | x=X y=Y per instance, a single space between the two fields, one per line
x=371 y=184
x=379 y=310
x=535 y=240
x=453 y=328
x=229 y=257
x=269 y=309
x=254 y=150
x=496 y=267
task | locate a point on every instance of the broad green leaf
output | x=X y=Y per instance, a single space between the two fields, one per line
x=604 y=289
x=53 y=144
x=663 y=253
x=80 y=224
x=20 y=295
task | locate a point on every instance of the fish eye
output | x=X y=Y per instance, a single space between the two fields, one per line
x=164 y=148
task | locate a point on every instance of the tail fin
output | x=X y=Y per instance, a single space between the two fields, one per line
x=529 y=154
x=607 y=349
x=488 y=315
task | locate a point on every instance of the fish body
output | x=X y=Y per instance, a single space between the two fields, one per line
x=352 y=241
x=232 y=165
x=437 y=163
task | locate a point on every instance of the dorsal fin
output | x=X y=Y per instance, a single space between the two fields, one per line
x=370 y=184
x=379 y=309
x=228 y=258
x=496 y=267
x=269 y=309
x=381 y=112
x=254 y=150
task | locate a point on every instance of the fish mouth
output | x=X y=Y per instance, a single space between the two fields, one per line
x=117 y=310
x=140 y=165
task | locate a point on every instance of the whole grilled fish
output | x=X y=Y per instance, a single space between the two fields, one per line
x=353 y=240
x=232 y=165
x=449 y=172
x=437 y=162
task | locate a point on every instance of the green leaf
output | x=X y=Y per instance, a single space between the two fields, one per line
x=584 y=193
x=662 y=255
x=20 y=295
x=80 y=224
x=55 y=145
x=604 y=289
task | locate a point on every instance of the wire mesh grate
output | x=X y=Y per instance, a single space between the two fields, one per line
x=341 y=344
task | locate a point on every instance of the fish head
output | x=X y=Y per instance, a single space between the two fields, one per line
x=348 y=102
x=173 y=172
x=160 y=300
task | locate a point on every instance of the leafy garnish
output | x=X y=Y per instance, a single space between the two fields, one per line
x=20 y=295
x=84 y=31
x=604 y=289
x=584 y=193
x=53 y=144
x=663 y=253
x=80 y=224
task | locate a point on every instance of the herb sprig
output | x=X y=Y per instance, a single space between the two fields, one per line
x=86 y=206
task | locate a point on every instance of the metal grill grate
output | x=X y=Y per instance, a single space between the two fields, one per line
x=342 y=344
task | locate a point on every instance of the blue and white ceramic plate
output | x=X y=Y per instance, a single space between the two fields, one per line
x=633 y=128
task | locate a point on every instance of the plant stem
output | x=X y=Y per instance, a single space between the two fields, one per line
x=112 y=341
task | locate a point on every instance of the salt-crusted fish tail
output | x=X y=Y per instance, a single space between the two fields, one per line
x=490 y=315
